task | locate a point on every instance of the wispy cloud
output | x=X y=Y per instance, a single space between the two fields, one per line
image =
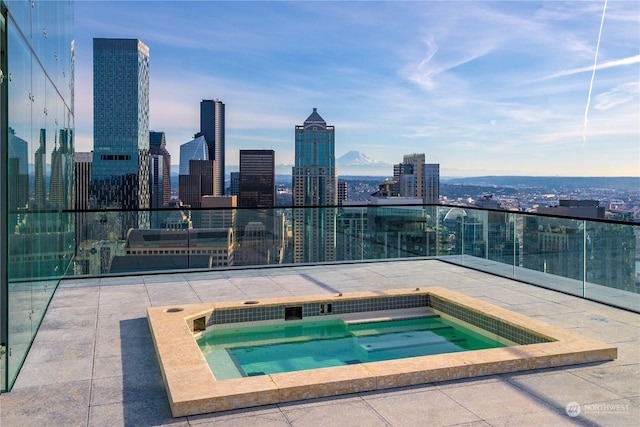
x=621 y=94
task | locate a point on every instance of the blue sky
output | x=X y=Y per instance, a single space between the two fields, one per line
x=480 y=87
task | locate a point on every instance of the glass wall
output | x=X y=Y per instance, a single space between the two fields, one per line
x=38 y=178
x=588 y=258
x=4 y=308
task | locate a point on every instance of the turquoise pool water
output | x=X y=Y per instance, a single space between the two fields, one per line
x=263 y=350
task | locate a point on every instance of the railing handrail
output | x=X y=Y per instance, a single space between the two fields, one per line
x=291 y=207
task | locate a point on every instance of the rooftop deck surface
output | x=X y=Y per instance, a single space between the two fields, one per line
x=93 y=361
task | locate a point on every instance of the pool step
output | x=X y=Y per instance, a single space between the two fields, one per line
x=222 y=364
x=387 y=315
x=403 y=340
x=382 y=329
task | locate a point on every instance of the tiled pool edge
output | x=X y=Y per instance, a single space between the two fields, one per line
x=192 y=388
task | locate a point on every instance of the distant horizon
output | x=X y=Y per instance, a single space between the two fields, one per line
x=485 y=174
x=527 y=88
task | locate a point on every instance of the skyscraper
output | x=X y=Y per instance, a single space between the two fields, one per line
x=431 y=183
x=56 y=192
x=158 y=147
x=342 y=191
x=415 y=178
x=156 y=181
x=83 y=162
x=416 y=161
x=39 y=161
x=314 y=184
x=212 y=128
x=234 y=185
x=197 y=183
x=81 y=199
x=196 y=149
x=257 y=178
x=18 y=172
x=62 y=171
x=120 y=171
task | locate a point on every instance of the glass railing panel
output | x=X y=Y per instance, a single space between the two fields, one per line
x=259 y=235
x=467 y=232
x=400 y=232
x=450 y=222
x=28 y=302
x=351 y=229
x=501 y=237
x=553 y=253
x=100 y=244
x=4 y=154
x=39 y=253
x=542 y=250
x=612 y=264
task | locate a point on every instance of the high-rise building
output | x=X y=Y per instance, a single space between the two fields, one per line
x=314 y=185
x=212 y=128
x=62 y=169
x=196 y=149
x=431 y=183
x=82 y=171
x=416 y=161
x=158 y=147
x=17 y=171
x=342 y=191
x=120 y=170
x=234 y=186
x=156 y=188
x=255 y=227
x=415 y=178
x=199 y=182
x=39 y=161
x=221 y=213
x=257 y=179
x=254 y=249
x=83 y=162
x=19 y=149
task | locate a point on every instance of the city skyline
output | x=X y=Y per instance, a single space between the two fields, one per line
x=504 y=87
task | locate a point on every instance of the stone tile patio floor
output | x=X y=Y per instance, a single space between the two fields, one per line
x=93 y=362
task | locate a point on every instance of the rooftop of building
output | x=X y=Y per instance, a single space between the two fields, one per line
x=314 y=117
x=93 y=361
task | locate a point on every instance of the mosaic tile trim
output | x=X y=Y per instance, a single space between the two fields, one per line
x=483 y=321
x=254 y=314
x=378 y=304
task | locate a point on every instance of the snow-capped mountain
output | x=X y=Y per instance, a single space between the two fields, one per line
x=354 y=158
x=357 y=163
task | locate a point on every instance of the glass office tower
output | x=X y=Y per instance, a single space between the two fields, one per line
x=212 y=128
x=120 y=171
x=314 y=184
x=196 y=149
x=36 y=123
x=257 y=179
x=158 y=147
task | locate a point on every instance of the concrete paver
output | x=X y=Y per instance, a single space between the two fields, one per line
x=93 y=362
